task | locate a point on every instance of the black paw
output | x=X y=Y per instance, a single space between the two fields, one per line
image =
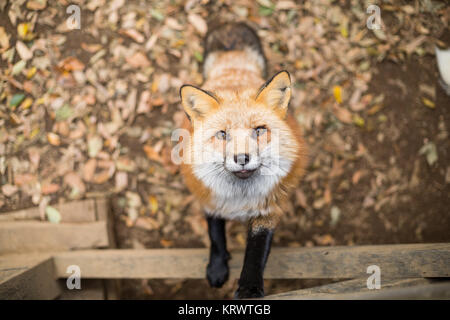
x=217 y=273
x=244 y=292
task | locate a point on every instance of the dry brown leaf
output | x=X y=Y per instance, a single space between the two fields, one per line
x=153 y=204
x=8 y=190
x=300 y=198
x=198 y=22
x=89 y=169
x=101 y=177
x=144 y=103
x=71 y=64
x=91 y=47
x=138 y=60
x=36 y=4
x=23 y=179
x=357 y=176
x=49 y=188
x=121 y=181
x=152 y=154
x=74 y=181
x=133 y=34
x=23 y=51
x=343 y=114
x=53 y=138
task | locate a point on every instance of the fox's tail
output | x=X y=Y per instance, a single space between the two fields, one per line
x=233 y=37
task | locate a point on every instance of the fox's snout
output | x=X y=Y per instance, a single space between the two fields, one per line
x=242 y=159
x=241 y=152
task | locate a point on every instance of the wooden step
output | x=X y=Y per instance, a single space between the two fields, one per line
x=74 y=211
x=28 y=276
x=395 y=261
x=343 y=287
x=33 y=236
x=392 y=290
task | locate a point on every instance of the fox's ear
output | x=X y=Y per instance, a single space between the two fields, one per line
x=197 y=102
x=276 y=93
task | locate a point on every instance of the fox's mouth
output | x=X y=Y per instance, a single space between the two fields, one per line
x=244 y=174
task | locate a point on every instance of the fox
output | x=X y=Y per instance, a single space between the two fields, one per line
x=244 y=152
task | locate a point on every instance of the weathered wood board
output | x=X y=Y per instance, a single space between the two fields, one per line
x=91 y=289
x=437 y=290
x=395 y=261
x=28 y=277
x=348 y=286
x=33 y=236
x=74 y=211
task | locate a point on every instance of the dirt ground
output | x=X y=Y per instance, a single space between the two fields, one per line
x=104 y=101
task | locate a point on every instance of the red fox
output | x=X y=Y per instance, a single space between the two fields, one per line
x=245 y=151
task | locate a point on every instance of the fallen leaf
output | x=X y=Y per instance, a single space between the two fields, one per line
x=8 y=190
x=357 y=176
x=138 y=60
x=95 y=144
x=49 y=188
x=198 y=22
x=4 y=39
x=23 y=51
x=427 y=102
x=74 y=181
x=18 y=67
x=335 y=214
x=91 y=47
x=343 y=114
x=430 y=151
x=300 y=198
x=89 y=170
x=24 y=31
x=23 y=179
x=153 y=204
x=133 y=199
x=337 y=92
x=16 y=99
x=146 y=223
x=36 y=4
x=121 y=181
x=53 y=139
x=70 y=64
x=52 y=214
x=152 y=154
x=133 y=34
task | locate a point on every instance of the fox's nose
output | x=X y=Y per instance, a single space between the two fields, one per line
x=242 y=159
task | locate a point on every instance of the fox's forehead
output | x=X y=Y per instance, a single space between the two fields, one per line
x=234 y=117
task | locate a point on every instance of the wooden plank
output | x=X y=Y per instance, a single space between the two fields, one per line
x=102 y=209
x=28 y=277
x=91 y=289
x=30 y=236
x=434 y=290
x=103 y=213
x=395 y=261
x=348 y=286
x=74 y=211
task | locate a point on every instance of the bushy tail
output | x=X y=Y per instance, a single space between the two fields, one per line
x=233 y=36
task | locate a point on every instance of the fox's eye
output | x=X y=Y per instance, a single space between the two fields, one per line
x=259 y=131
x=221 y=135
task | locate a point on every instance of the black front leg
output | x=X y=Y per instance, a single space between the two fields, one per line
x=251 y=282
x=217 y=270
